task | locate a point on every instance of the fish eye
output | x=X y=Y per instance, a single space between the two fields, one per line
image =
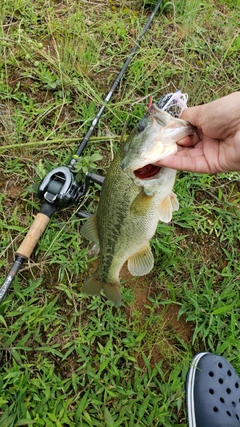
x=141 y=126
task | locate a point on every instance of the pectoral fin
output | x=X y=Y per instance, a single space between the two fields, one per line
x=142 y=262
x=141 y=203
x=167 y=207
x=89 y=229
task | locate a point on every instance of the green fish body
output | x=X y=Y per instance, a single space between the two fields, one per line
x=131 y=204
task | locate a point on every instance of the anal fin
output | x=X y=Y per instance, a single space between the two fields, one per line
x=142 y=262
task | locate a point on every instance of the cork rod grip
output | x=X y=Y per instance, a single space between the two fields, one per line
x=36 y=230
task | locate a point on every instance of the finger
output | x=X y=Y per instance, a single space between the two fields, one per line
x=196 y=164
x=191 y=152
x=190 y=140
x=193 y=115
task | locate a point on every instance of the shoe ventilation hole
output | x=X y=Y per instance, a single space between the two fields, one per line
x=237 y=416
x=229 y=373
x=233 y=404
x=211 y=391
x=220 y=365
x=228 y=390
x=215 y=409
x=236 y=385
x=228 y=413
x=222 y=400
x=220 y=381
x=211 y=374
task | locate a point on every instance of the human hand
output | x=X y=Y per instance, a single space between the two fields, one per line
x=216 y=145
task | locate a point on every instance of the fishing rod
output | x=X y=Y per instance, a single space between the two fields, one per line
x=60 y=188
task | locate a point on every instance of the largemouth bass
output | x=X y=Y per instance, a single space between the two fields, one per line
x=136 y=194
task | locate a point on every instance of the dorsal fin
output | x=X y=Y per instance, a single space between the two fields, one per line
x=89 y=229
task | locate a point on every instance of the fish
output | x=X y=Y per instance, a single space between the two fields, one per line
x=136 y=195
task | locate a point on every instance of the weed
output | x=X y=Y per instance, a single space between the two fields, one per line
x=68 y=360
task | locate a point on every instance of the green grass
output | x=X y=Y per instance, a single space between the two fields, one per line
x=67 y=360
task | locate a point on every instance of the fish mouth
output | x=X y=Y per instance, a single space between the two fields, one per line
x=147 y=172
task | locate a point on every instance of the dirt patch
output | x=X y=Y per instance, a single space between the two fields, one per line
x=10 y=188
x=166 y=333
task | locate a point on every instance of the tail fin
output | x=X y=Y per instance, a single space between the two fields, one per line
x=94 y=286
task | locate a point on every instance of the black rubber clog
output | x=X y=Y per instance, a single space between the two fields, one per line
x=213 y=392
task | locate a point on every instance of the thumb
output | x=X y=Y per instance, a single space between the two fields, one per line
x=192 y=115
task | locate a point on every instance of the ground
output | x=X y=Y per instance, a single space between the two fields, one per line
x=70 y=360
